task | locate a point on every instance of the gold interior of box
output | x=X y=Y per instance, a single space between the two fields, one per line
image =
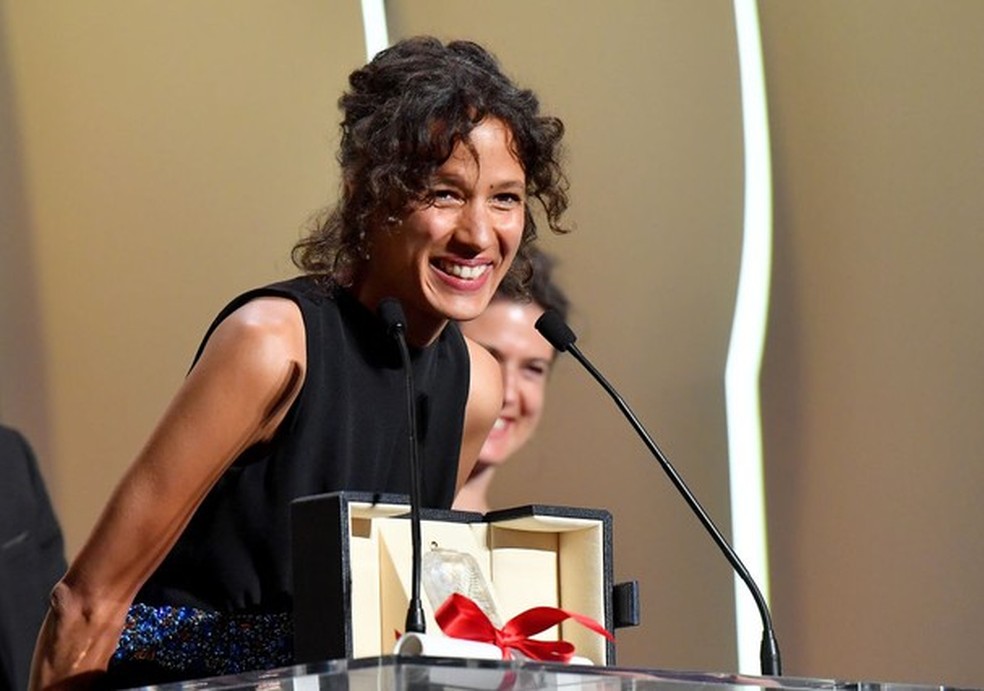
x=528 y=562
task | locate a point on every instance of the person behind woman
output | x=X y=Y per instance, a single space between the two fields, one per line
x=298 y=390
x=506 y=330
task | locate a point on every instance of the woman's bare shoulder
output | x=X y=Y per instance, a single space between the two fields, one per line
x=266 y=328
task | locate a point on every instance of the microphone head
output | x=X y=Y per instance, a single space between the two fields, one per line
x=391 y=312
x=553 y=328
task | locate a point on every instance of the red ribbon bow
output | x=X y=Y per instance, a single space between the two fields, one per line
x=460 y=617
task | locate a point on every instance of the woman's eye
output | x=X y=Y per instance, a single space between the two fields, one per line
x=507 y=200
x=443 y=195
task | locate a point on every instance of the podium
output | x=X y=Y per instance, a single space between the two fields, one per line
x=350 y=561
x=444 y=674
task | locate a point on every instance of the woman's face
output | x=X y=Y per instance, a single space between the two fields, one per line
x=444 y=260
x=506 y=330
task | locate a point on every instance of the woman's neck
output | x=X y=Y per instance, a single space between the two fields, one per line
x=421 y=329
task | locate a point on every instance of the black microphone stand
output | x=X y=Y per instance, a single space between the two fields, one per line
x=562 y=338
x=392 y=314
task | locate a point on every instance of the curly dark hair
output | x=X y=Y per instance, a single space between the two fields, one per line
x=403 y=115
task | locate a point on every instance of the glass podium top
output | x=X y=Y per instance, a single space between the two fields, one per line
x=423 y=673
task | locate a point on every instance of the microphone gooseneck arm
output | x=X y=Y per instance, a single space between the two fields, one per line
x=392 y=314
x=562 y=338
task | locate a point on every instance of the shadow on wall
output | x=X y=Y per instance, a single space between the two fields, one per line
x=22 y=374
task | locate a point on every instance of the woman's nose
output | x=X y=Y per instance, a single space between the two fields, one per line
x=475 y=229
x=510 y=386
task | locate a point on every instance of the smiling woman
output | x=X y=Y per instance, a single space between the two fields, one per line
x=448 y=254
x=296 y=390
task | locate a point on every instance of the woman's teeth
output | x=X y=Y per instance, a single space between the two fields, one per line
x=468 y=273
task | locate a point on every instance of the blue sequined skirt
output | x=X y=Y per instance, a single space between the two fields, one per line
x=204 y=643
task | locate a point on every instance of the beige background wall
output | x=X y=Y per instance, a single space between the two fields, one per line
x=160 y=158
x=873 y=384
x=157 y=158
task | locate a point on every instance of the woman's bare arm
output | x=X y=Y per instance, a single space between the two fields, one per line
x=236 y=395
x=484 y=404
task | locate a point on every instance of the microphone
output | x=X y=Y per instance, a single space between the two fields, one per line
x=391 y=313
x=562 y=338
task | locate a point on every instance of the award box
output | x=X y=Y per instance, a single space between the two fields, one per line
x=352 y=560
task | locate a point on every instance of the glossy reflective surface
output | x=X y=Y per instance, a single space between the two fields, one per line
x=446 y=673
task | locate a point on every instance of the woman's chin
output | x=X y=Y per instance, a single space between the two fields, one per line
x=493 y=455
x=461 y=306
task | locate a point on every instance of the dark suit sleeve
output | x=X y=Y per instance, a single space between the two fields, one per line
x=32 y=557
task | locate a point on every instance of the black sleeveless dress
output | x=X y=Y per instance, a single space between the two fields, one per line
x=220 y=602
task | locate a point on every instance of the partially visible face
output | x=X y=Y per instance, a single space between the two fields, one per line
x=444 y=260
x=506 y=330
